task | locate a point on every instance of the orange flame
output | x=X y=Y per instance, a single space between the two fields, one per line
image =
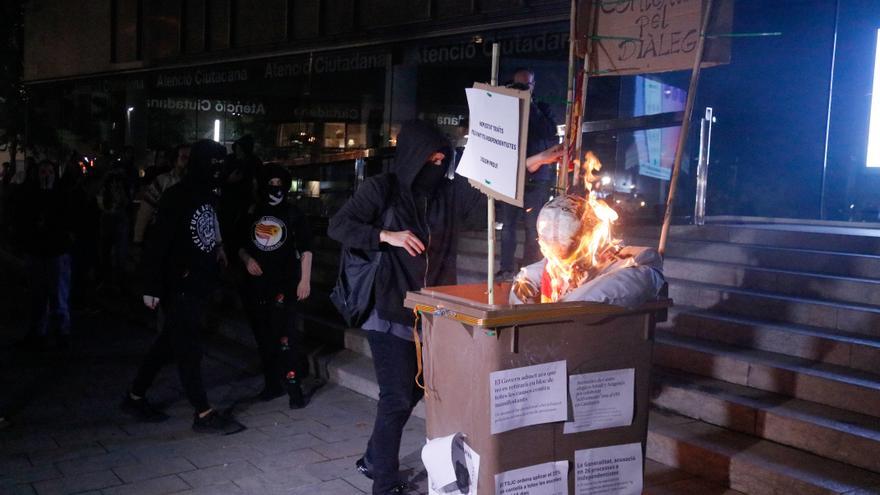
x=591 y=248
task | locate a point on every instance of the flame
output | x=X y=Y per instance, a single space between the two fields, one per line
x=593 y=246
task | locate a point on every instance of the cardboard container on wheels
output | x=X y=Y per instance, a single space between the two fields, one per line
x=465 y=339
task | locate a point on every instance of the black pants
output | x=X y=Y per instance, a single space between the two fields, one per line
x=396 y=367
x=179 y=341
x=272 y=316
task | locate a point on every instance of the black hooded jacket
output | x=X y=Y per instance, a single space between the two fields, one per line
x=434 y=218
x=181 y=255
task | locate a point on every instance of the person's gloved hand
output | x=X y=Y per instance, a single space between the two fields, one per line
x=151 y=301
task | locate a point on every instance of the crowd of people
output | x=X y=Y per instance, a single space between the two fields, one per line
x=205 y=210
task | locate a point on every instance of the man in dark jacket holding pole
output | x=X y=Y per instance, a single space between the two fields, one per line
x=181 y=265
x=419 y=238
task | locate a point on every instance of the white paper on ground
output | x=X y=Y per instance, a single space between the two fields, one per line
x=604 y=399
x=614 y=470
x=549 y=478
x=528 y=396
x=453 y=466
x=491 y=156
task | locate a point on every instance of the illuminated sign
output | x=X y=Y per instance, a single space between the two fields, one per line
x=874 y=126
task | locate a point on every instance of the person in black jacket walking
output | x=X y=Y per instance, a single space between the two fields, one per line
x=419 y=245
x=181 y=265
x=276 y=251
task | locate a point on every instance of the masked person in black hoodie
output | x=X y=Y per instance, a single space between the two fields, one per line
x=419 y=238
x=276 y=251
x=182 y=264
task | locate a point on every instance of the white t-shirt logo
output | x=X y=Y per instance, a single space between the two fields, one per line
x=203 y=228
x=269 y=233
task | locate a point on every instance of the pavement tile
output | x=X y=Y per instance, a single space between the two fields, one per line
x=155 y=486
x=78 y=483
x=63 y=454
x=31 y=475
x=219 y=474
x=339 y=433
x=284 y=444
x=95 y=463
x=295 y=426
x=345 y=448
x=224 y=455
x=333 y=487
x=360 y=482
x=86 y=434
x=291 y=460
x=154 y=469
x=272 y=418
x=227 y=488
x=277 y=481
x=337 y=468
x=24 y=489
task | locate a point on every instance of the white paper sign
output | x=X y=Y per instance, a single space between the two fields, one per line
x=528 y=396
x=550 y=478
x=615 y=470
x=492 y=153
x=601 y=400
x=453 y=466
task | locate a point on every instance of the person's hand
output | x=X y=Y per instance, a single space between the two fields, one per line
x=253 y=267
x=551 y=154
x=221 y=257
x=151 y=301
x=403 y=239
x=303 y=289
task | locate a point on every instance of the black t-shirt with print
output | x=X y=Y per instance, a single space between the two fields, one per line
x=276 y=237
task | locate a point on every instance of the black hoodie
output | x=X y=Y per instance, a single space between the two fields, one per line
x=181 y=255
x=434 y=218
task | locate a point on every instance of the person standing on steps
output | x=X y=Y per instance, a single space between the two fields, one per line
x=412 y=214
x=182 y=264
x=277 y=254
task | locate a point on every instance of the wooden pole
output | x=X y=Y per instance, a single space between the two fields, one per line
x=562 y=173
x=685 y=126
x=490 y=204
x=579 y=139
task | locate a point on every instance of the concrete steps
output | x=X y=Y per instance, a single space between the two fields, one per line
x=819 y=344
x=771 y=306
x=829 y=432
x=792 y=283
x=835 y=386
x=749 y=464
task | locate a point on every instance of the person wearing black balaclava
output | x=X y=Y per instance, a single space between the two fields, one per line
x=181 y=268
x=276 y=250
x=419 y=239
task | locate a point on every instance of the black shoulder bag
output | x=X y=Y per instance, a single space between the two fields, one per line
x=353 y=294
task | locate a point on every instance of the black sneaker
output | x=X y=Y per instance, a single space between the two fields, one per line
x=215 y=422
x=361 y=466
x=141 y=409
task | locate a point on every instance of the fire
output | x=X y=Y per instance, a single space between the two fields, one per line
x=575 y=237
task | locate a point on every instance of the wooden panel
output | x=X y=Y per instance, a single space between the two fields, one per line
x=218 y=24
x=337 y=16
x=305 y=18
x=162 y=33
x=390 y=12
x=258 y=22
x=194 y=26
x=126 y=30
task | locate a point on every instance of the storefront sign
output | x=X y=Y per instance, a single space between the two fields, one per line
x=323 y=64
x=220 y=106
x=639 y=36
x=205 y=77
x=518 y=46
x=494 y=157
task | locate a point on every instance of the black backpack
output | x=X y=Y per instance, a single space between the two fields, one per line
x=353 y=293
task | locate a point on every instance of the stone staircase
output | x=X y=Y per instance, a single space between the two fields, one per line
x=767 y=372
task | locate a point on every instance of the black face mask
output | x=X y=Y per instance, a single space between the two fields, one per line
x=274 y=195
x=429 y=178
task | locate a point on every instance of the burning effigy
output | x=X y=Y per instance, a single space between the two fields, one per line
x=583 y=261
